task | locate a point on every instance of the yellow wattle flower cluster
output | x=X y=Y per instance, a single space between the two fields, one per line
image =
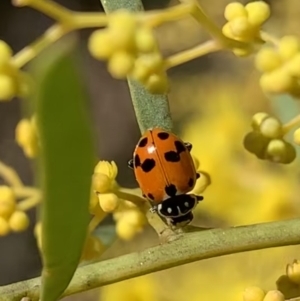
x=254 y=293
x=26 y=136
x=130 y=220
x=266 y=140
x=244 y=23
x=280 y=67
x=12 y=80
x=131 y=51
x=11 y=219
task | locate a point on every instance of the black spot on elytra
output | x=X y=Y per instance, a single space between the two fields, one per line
x=179 y=147
x=163 y=135
x=197 y=175
x=148 y=165
x=172 y=156
x=171 y=190
x=143 y=142
x=150 y=196
x=137 y=161
x=191 y=182
x=144 y=196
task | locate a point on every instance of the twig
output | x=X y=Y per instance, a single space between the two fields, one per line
x=190 y=248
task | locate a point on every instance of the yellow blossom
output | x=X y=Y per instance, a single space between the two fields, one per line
x=7 y=201
x=4 y=227
x=109 y=202
x=274 y=295
x=293 y=271
x=18 y=221
x=253 y=293
x=110 y=169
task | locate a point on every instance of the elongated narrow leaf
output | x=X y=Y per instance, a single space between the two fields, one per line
x=65 y=168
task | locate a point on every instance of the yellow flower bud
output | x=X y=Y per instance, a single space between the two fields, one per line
x=288 y=47
x=93 y=248
x=226 y=30
x=100 y=44
x=7 y=202
x=293 y=271
x=26 y=137
x=5 y=53
x=280 y=151
x=120 y=64
x=125 y=230
x=122 y=25
x=256 y=144
x=19 y=221
x=144 y=40
x=267 y=59
x=242 y=52
x=271 y=128
x=134 y=218
x=107 y=168
x=4 y=226
x=258 y=12
x=234 y=10
x=276 y=150
x=257 y=119
x=277 y=81
x=157 y=84
x=109 y=202
x=253 y=293
x=140 y=72
x=241 y=28
x=293 y=66
x=101 y=182
x=274 y=295
x=296 y=137
x=8 y=87
x=153 y=62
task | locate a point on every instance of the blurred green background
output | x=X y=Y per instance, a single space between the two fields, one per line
x=212 y=101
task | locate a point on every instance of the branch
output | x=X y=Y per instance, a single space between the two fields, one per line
x=189 y=248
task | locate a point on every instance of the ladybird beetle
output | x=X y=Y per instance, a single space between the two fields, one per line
x=165 y=172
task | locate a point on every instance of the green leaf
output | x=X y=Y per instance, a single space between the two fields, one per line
x=66 y=166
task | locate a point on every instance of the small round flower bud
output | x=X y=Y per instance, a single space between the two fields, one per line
x=240 y=52
x=257 y=120
x=297 y=136
x=125 y=230
x=144 y=40
x=101 y=182
x=267 y=59
x=108 y=201
x=293 y=66
x=122 y=25
x=8 y=87
x=7 y=202
x=234 y=10
x=134 y=218
x=120 y=64
x=276 y=150
x=277 y=81
x=290 y=153
x=293 y=271
x=241 y=28
x=18 y=221
x=4 y=226
x=108 y=168
x=227 y=32
x=100 y=44
x=271 y=128
x=157 y=84
x=256 y=144
x=274 y=296
x=289 y=46
x=258 y=12
x=253 y=293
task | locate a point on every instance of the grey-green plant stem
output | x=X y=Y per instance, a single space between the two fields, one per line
x=150 y=110
x=190 y=247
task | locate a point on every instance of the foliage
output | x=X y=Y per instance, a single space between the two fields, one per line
x=241 y=183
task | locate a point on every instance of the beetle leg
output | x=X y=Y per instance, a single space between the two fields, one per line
x=130 y=163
